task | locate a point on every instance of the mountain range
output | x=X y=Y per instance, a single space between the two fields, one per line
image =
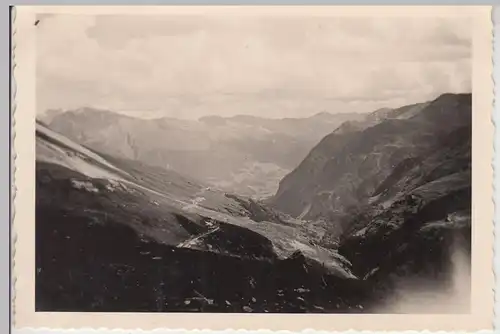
x=378 y=206
x=244 y=154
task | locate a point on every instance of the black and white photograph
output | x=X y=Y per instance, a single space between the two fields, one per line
x=254 y=163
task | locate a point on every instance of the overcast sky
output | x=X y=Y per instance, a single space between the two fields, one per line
x=274 y=67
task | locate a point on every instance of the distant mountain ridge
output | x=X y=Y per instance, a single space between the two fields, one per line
x=246 y=154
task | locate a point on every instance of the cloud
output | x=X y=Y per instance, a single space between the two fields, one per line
x=278 y=67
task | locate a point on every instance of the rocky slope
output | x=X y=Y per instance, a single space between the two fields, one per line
x=116 y=235
x=257 y=152
x=417 y=222
x=397 y=195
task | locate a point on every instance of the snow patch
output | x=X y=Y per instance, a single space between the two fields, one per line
x=84 y=185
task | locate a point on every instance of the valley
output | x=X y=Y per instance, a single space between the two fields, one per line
x=243 y=154
x=338 y=215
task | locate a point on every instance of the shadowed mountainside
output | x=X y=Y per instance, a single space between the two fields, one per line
x=397 y=193
x=347 y=166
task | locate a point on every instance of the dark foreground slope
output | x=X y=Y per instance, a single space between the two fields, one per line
x=107 y=267
x=113 y=235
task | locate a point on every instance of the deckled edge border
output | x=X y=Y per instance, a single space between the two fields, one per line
x=495 y=12
x=495 y=117
x=12 y=177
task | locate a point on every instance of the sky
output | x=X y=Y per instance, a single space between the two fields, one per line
x=193 y=66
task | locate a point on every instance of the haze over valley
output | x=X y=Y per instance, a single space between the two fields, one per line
x=246 y=155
